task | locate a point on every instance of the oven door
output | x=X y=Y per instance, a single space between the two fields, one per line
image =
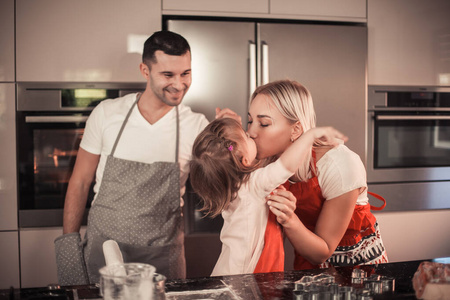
x=408 y=146
x=47 y=148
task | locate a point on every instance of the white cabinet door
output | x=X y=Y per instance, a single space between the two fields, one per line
x=409 y=42
x=83 y=40
x=211 y=6
x=7 y=40
x=9 y=260
x=37 y=256
x=8 y=186
x=321 y=9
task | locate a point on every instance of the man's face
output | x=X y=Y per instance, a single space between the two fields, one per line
x=170 y=77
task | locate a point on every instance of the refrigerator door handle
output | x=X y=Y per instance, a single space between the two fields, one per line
x=252 y=67
x=265 y=62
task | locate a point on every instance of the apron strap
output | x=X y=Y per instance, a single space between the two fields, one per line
x=124 y=123
x=314 y=165
x=379 y=198
x=178 y=135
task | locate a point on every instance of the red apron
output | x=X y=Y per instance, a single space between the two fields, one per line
x=272 y=256
x=309 y=205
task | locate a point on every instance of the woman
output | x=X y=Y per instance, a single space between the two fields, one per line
x=324 y=212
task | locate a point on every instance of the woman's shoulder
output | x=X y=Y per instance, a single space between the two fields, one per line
x=340 y=153
x=342 y=160
x=340 y=170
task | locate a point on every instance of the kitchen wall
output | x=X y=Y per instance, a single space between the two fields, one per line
x=63 y=40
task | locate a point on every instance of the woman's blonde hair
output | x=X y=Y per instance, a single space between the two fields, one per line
x=295 y=103
x=216 y=168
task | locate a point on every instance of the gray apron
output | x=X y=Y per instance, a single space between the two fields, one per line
x=138 y=206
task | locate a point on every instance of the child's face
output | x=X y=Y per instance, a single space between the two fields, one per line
x=250 y=150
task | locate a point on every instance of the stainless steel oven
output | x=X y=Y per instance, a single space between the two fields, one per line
x=408 y=157
x=50 y=123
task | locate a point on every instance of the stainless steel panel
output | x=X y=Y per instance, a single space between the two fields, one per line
x=377 y=96
x=412 y=196
x=330 y=61
x=46 y=96
x=39 y=100
x=220 y=65
x=8 y=186
x=44 y=217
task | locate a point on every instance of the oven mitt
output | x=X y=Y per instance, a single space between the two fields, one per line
x=70 y=262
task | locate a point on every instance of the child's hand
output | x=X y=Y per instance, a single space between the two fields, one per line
x=329 y=135
x=282 y=203
x=227 y=113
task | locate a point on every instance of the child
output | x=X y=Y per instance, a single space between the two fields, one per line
x=225 y=173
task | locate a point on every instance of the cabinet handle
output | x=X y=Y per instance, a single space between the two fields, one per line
x=56 y=119
x=265 y=62
x=400 y=118
x=252 y=67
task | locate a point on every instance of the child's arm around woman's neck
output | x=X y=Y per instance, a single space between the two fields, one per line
x=296 y=153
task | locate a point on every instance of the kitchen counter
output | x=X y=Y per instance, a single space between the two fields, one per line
x=248 y=286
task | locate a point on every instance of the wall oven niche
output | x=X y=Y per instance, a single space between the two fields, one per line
x=408 y=157
x=50 y=122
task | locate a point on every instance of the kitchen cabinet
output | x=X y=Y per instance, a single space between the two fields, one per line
x=344 y=10
x=415 y=235
x=233 y=6
x=7 y=39
x=8 y=186
x=409 y=42
x=37 y=256
x=9 y=260
x=83 y=41
x=319 y=9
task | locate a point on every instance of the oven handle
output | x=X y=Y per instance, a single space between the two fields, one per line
x=56 y=119
x=400 y=117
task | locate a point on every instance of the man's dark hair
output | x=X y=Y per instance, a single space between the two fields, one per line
x=170 y=43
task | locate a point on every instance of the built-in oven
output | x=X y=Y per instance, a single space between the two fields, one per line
x=50 y=123
x=408 y=139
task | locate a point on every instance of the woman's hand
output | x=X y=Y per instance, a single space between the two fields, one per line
x=227 y=113
x=282 y=203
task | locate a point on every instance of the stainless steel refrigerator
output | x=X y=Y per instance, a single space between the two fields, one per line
x=230 y=58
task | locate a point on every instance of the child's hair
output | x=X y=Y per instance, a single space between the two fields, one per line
x=216 y=168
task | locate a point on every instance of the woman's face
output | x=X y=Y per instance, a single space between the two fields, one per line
x=268 y=127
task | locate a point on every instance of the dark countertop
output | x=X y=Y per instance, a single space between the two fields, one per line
x=248 y=286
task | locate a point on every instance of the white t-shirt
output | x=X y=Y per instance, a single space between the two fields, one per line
x=341 y=170
x=140 y=140
x=245 y=221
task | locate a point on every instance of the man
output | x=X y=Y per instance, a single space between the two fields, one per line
x=138 y=147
